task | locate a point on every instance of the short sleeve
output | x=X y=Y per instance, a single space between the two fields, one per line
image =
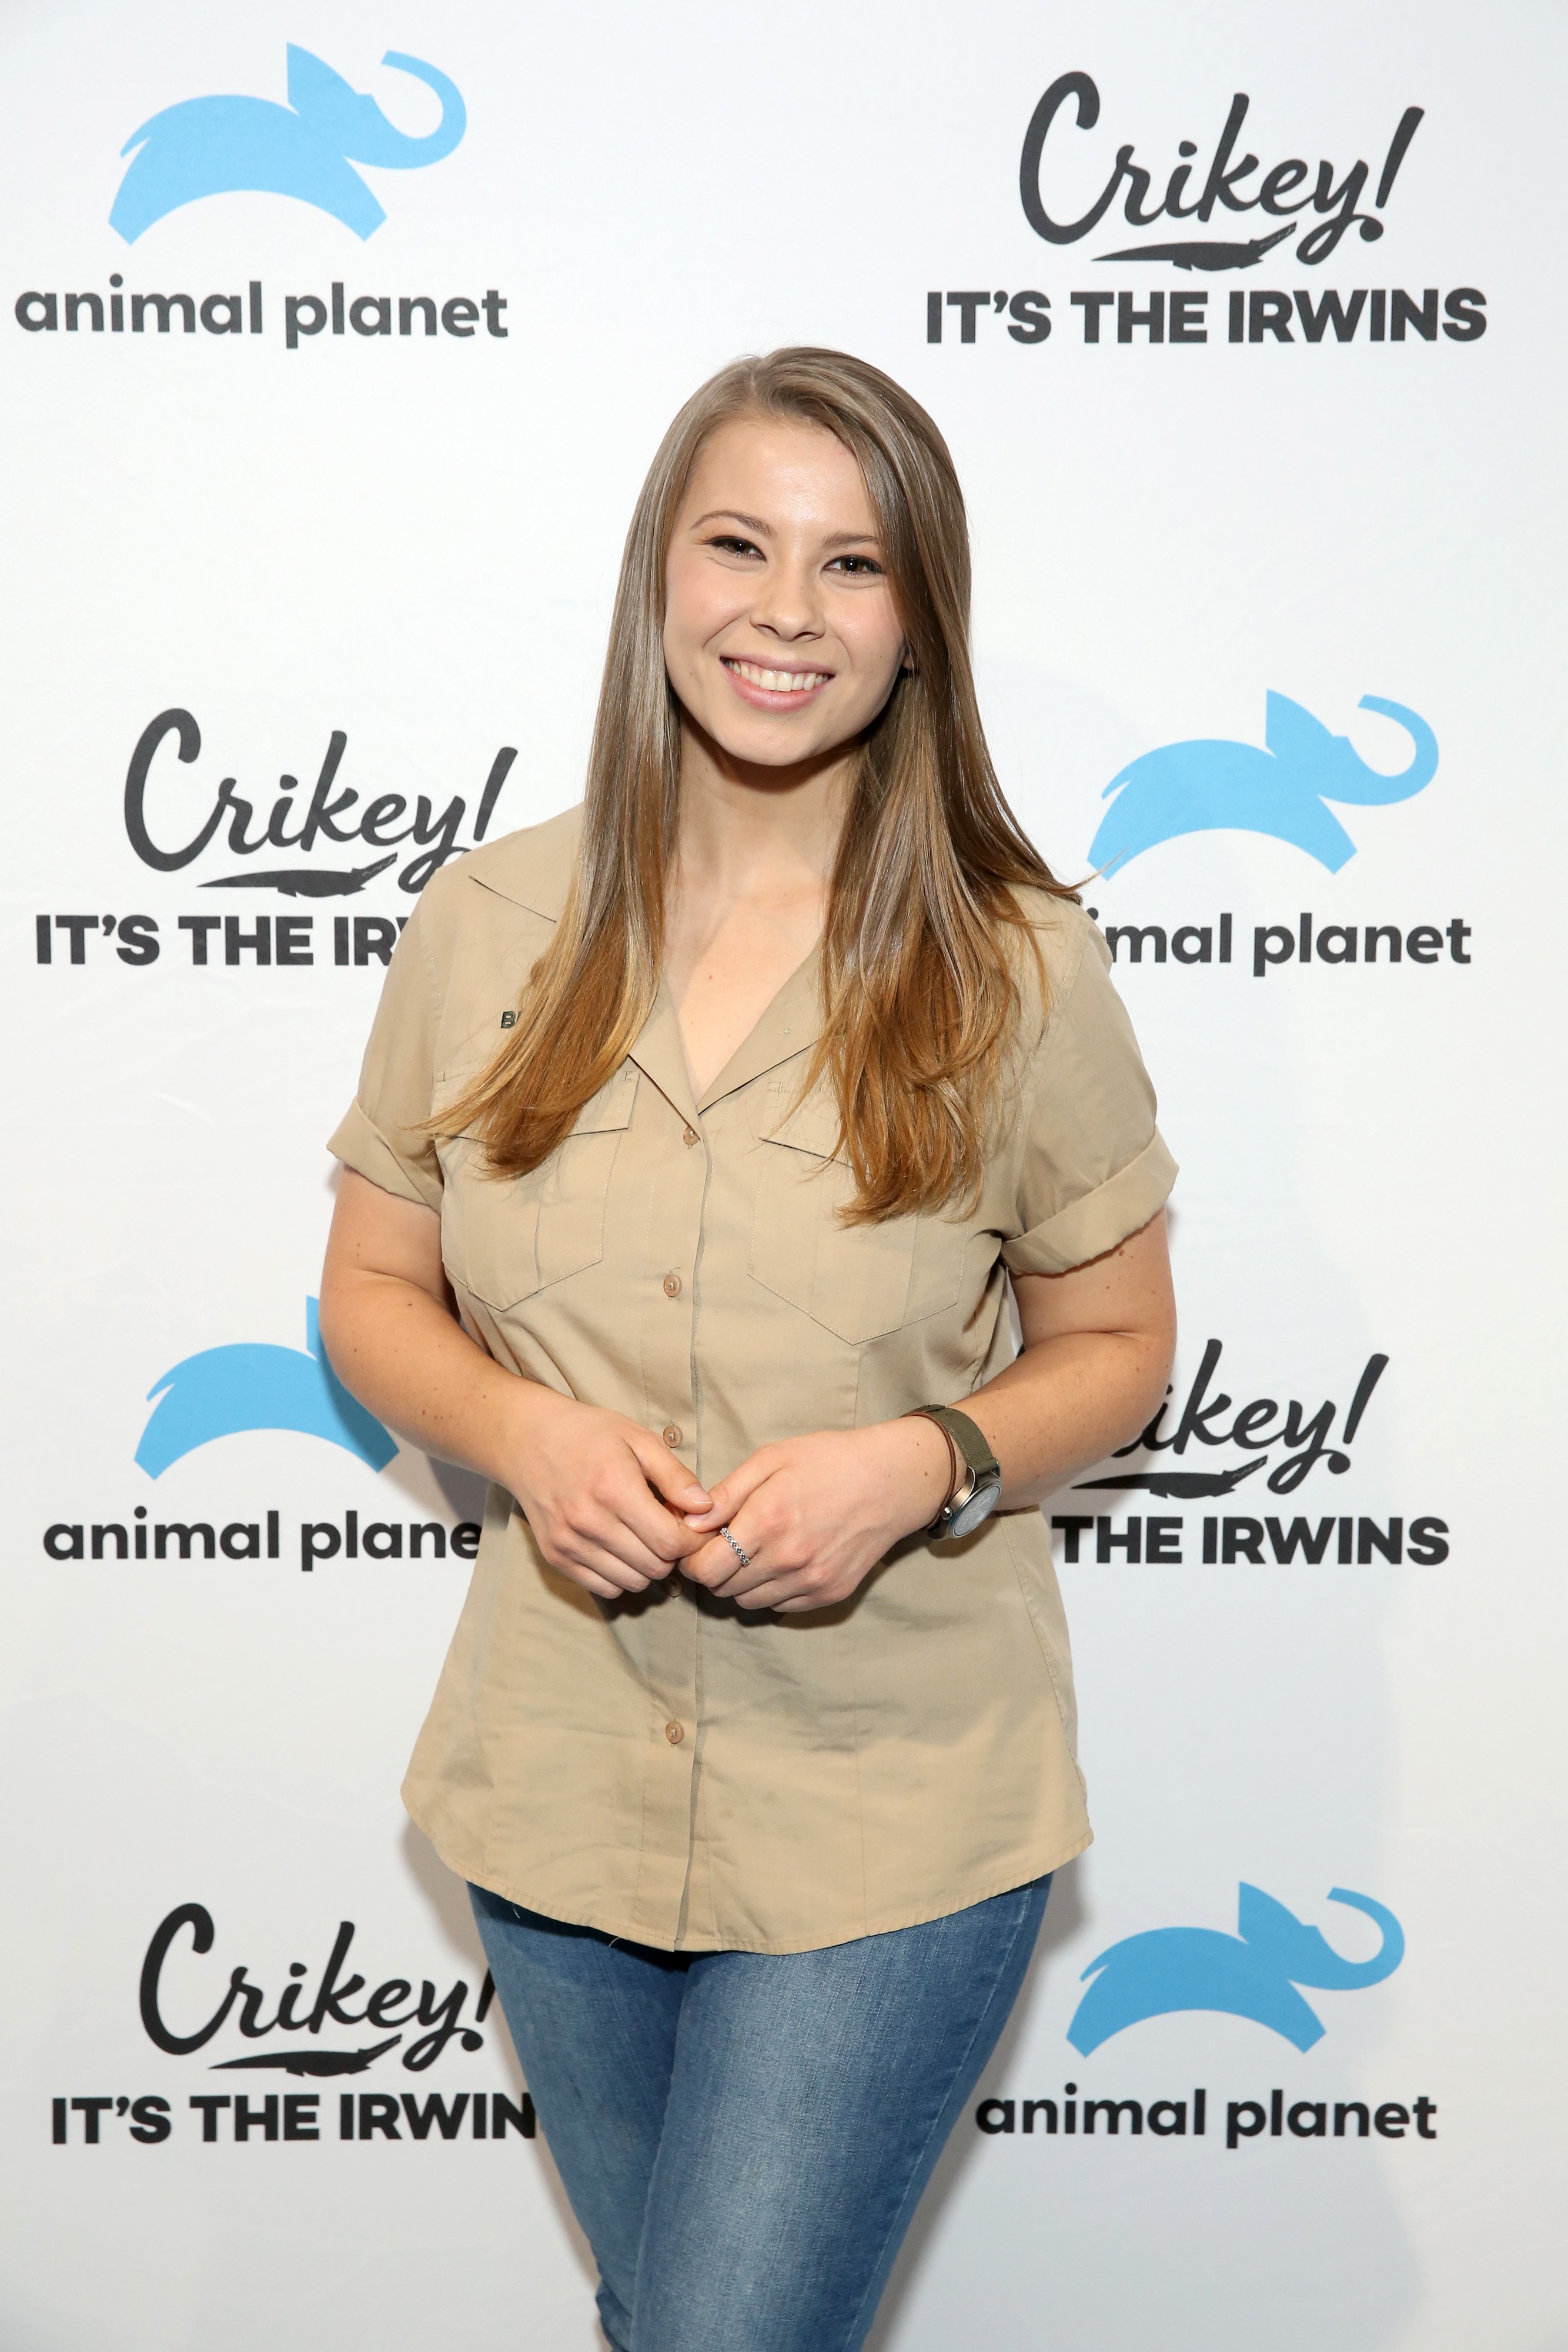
x=1092 y=1167
x=381 y=1136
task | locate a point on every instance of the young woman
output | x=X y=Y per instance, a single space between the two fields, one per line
x=706 y=1137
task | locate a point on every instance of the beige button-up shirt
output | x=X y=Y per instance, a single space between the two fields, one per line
x=670 y=1767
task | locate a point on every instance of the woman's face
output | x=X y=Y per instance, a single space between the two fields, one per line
x=780 y=635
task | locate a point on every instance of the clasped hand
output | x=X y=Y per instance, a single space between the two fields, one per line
x=615 y=1509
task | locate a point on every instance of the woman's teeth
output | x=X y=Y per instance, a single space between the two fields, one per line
x=780 y=681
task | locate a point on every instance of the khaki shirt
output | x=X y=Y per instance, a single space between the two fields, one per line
x=669 y=1767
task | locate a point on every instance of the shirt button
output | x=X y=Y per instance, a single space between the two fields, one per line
x=689 y=1136
x=675 y=1733
x=672 y=1286
x=671 y=1433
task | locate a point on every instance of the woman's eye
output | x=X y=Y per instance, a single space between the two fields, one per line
x=857 y=567
x=729 y=543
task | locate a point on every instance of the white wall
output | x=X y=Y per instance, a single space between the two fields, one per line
x=415 y=542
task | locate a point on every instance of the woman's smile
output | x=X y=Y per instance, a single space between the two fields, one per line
x=775 y=686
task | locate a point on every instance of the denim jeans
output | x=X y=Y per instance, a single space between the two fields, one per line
x=745 y=2136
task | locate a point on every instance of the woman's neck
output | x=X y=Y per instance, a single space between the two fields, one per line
x=749 y=893
x=754 y=832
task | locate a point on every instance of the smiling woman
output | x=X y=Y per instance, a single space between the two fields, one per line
x=706 y=1137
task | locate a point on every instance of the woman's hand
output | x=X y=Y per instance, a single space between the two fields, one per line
x=590 y=1483
x=815 y=1515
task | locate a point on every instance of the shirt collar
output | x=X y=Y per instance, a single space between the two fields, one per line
x=534 y=868
x=788 y=1026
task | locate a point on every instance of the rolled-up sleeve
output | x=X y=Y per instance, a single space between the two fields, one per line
x=381 y=1135
x=1092 y=1167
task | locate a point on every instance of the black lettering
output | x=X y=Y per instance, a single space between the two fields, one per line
x=1031 y=314
x=1113 y=2110
x=199 y=1920
x=997 y=2115
x=1187 y=318
x=1299 y=1537
x=162 y=306
x=95 y=311
x=1090 y=305
x=459 y=316
x=1369 y=1536
x=435 y=2111
x=1241 y=1540
x=504 y=2113
x=1427 y=1546
x=303 y=314
x=150 y=2120
x=1269 y=314
x=1465 y=321
x=1271 y=944
x=1152 y=318
x=1404 y=312
x=1331 y=312
x=184 y=1537
x=1135 y=936
x=407 y=305
x=61 y=1533
x=1079 y=87
x=967 y=305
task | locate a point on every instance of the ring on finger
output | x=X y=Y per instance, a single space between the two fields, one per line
x=743 y=1557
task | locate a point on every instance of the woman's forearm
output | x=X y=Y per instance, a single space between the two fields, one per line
x=1066 y=1403
x=407 y=1359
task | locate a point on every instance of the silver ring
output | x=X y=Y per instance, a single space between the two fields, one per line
x=743 y=1557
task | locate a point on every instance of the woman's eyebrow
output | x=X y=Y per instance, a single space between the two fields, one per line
x=755 y=522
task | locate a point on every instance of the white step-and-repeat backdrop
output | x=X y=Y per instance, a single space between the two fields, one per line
x=336 y=342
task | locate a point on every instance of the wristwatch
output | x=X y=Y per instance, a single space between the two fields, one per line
x=976 y=1473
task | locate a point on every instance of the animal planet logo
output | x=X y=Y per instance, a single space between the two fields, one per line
x=224 y=1390
x=221 y=145
x=1207 y=786
x=1252 y=1974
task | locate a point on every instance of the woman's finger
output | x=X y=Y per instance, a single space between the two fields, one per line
x=732 y=1491
x=666 y=1474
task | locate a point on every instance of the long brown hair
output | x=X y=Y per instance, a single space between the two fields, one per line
x=920 y=989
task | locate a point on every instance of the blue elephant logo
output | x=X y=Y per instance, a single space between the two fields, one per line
x=1253 y=1973
x=216 y=146
x=251 y=1386
x=1206 y=787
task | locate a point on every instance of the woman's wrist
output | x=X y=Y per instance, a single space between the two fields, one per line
x=920 y=1461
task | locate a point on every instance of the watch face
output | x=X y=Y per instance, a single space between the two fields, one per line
x=969 y=1514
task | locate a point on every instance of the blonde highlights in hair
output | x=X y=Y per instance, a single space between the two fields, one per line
x=920 y=951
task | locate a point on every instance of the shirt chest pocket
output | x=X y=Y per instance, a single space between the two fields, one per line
x=858 y=1281
x=503 y=1239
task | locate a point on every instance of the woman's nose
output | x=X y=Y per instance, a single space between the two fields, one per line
x=787 y=602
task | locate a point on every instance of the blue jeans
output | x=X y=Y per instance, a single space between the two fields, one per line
x=745 y=2136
